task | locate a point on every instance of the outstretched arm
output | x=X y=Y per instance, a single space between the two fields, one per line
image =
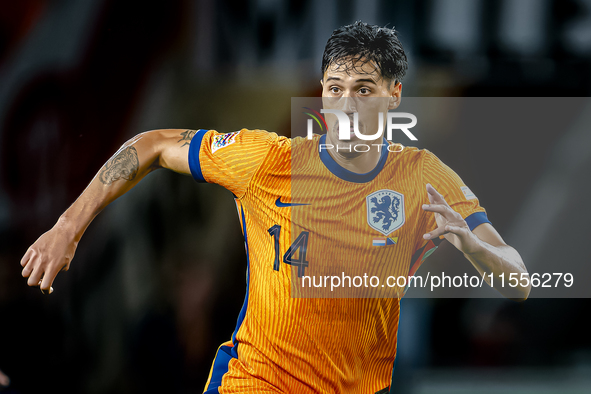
x=483 y=247
x=146 y=152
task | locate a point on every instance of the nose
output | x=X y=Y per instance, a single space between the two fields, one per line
x=349 y=104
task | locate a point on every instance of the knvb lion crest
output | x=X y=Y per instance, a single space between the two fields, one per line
x=385 y=211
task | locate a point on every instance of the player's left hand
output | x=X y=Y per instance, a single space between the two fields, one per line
x=4 y=380
x=449 y=223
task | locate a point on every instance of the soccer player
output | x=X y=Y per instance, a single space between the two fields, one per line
x=405 y=197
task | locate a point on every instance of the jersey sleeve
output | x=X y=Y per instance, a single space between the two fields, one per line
x=229 y=159
x=459 y=197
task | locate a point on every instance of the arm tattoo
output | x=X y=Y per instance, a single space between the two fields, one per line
x=123 y=166
x=187 y=137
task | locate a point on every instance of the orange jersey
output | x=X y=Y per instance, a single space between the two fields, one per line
x=304 y=216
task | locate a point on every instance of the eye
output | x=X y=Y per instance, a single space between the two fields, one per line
x=364 y=91
x=335 y=90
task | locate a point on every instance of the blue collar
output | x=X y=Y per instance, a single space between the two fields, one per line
x=347 y=175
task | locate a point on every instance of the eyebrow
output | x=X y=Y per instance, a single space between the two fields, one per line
x=356 y=81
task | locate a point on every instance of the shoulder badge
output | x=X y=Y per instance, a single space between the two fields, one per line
x=221 y=140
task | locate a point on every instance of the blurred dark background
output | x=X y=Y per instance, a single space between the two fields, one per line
x=159 y=278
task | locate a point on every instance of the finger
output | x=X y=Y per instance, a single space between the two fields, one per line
x=431 y=199
x=439 y=231
x=26 y=257
x=26 y=272
x=48 y=279
x=431 y=194
x=434 y=195
x=35 y=276
x=443 y=210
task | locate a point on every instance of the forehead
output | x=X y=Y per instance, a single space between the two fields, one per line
x=353 y=69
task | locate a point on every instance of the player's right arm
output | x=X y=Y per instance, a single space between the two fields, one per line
x=146 y=152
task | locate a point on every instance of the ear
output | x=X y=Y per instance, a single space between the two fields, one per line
x=395 y=96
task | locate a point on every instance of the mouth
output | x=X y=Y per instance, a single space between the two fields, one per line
x=352 y=127
x=350 y=136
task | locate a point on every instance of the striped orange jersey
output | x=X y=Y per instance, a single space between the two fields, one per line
x=306 y=218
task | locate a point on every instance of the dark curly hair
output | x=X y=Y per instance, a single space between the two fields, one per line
x=351 y=46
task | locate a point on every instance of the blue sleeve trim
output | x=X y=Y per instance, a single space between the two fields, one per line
x=194 y=163
x=476 y=219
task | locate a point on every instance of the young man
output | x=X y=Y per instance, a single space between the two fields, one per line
x=308 y=345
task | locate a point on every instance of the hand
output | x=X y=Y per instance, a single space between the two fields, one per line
x=4 y=380
x=49 y=255
x=449 y=223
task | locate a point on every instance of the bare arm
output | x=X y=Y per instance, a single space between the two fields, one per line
x=139 y=156
x=483 y=247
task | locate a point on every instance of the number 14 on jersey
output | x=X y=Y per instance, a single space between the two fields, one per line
x=299 y=247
